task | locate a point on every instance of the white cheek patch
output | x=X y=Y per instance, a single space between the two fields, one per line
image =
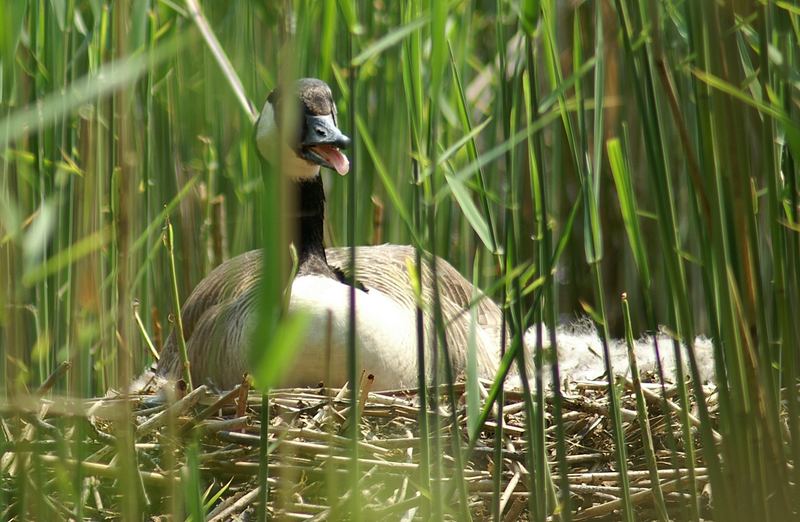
x=267 y=140
x=266 y=132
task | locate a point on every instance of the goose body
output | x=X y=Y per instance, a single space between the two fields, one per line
x=220 y=314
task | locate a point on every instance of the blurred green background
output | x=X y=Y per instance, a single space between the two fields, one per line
x=116 y=113
x=587 y=148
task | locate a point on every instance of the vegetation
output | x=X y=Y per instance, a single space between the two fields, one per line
x=477 y=136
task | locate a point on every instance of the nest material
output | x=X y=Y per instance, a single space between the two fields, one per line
x=310 y=453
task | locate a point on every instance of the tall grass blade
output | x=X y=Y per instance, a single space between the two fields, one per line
x=196 y=14
x=103 y=82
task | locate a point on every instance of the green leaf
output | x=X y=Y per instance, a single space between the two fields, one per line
x=383 y=173
x=473 y=389
x=192 y=490
x=788 y=7
x=60 y=8
x=529 y=15
x=471 y=212
x=210 y=501
x=438 y=46
x=388 y=40
x=109 y=78
x=498 y=151
x=66 y=257
x=472 y=148
x=350 y=16
x=591 y=312
x=12 y=21
x=627 y=204
x=468 y=139
x=789 y=126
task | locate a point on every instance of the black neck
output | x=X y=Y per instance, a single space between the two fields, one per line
x=309 y=235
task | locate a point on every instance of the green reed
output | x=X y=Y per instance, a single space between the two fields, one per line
x=485 y=130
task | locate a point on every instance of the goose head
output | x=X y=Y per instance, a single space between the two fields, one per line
x=301 y=128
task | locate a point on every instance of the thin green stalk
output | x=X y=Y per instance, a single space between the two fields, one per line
x=192 y=488
x=169 y=240
x=546 y=314
x=196 y=14
x=791 y=244
x=143 y=331
x=673 y=264
x=593 y=247
x=455 y=429
x=779 y=280
x=472 y=150
x=642 y=416
x=621 y=172
x=412 y=84
x=499 y=400
x=263 y=458
x=503 y=118
x=679 y=296
x=422 y=379
x=511 y=353
x=352 y=353
x=535 y=417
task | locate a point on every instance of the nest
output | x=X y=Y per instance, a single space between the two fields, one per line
x=212 y=442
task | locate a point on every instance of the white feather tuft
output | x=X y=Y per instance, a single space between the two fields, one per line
x=580 y=354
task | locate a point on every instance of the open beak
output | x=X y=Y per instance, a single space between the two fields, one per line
x=322 y=142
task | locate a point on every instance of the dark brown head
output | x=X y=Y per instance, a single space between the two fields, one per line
x=304 y=124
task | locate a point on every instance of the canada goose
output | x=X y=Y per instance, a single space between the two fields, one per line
x=218 y=315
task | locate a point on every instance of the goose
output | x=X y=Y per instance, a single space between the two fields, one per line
x=219 y=314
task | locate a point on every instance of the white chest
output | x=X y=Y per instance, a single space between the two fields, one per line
x=385 y=336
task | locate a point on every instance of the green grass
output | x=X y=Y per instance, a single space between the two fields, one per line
x=476 y=126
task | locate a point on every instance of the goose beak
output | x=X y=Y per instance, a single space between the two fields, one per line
x=322 y=141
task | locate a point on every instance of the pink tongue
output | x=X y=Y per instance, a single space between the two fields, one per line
x=332 y=155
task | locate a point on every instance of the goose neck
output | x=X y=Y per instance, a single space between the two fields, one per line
x=309 y=239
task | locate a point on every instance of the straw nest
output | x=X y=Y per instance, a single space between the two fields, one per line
x=310 y=453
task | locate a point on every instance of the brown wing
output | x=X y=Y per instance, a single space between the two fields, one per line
x=214 y=322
